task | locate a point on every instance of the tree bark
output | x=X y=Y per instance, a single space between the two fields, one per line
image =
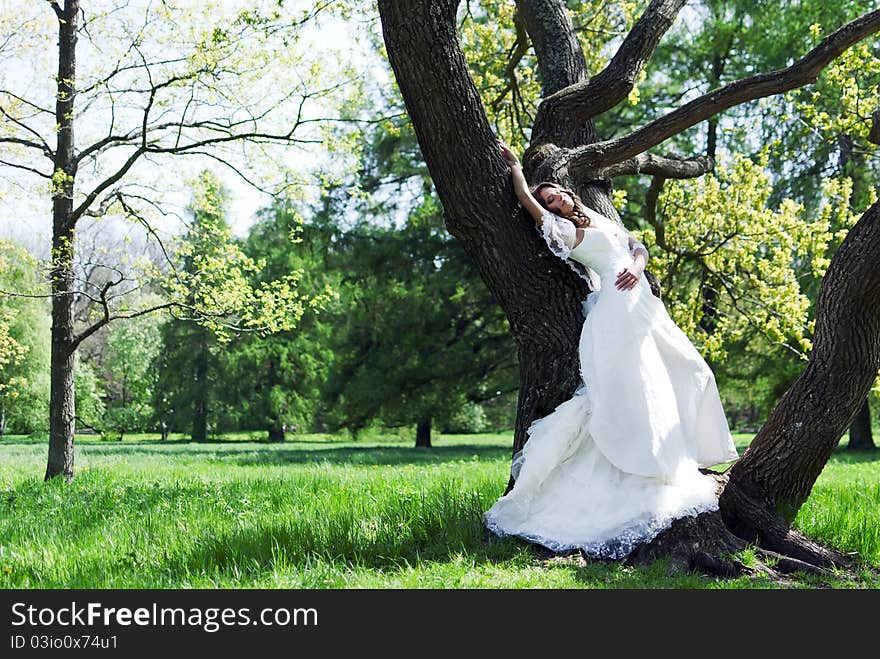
x=860 y=437
x=61 y=399
x=423 y=433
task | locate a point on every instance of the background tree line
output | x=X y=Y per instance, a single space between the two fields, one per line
x=404 y=333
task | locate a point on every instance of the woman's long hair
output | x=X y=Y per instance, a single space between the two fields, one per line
x=578 y=217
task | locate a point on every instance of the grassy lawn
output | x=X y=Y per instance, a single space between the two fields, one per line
x=320 y=512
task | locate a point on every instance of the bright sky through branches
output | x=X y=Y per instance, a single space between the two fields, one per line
x=28 y=62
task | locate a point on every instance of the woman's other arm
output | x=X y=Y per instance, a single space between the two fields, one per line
x=629 y=277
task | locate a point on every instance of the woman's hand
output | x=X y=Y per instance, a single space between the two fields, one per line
x=629 y=277
x=509 y=155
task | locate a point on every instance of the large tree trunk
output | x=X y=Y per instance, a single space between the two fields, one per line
x=61 y=402
x=860 y=438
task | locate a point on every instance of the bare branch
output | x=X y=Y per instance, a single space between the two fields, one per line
x=110 y=318
x=43 y=146
x=26 y=102
x=58 y=11
x=578 y=103
x=121 y=69
x=84 y=206
x=33 y=145
x=665 y=166
x=132 y=212
x=29 y=169
x=803 y=72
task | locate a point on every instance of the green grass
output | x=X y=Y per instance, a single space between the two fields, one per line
x=320 y=512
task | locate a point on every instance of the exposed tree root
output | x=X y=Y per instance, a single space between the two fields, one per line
x=706 y=544
x=750 y=518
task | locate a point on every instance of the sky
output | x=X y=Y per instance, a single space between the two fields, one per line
x=27 y=67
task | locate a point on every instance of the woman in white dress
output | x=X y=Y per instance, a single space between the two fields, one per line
x=618 y=462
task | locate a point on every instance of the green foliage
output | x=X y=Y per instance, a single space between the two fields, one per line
x=273 y=382
x=418 y=335
x=129 y=380
x=718 y=233
x=213 y=284
x=24 y=343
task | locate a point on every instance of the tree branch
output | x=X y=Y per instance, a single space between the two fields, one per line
x=84 y=206
x=26 y=168
x=43 y=146
x=803 y=72
x=665 y=166
x=33 y=145
x=100 y=323
x=578 y=103
x=108 y=319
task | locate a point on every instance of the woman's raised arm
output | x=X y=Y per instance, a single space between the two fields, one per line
x=520 y=187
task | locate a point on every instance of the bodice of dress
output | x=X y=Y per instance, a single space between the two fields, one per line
x=606 y=247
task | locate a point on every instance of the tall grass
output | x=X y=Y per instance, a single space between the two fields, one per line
x=323 y=513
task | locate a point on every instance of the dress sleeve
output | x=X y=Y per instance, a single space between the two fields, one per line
x=636 y=246
x=559 y=234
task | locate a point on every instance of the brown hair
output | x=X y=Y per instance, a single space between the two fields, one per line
x=579 y=216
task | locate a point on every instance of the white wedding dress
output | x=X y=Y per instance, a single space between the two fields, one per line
x=618 y=462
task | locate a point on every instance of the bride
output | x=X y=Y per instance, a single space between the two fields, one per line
x=618 y=462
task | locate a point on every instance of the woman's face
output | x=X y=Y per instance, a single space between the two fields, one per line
x=557 y=201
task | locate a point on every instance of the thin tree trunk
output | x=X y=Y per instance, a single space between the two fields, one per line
x=276 y=432
x=423 y=433
x=200 y=400
x=61 y=400
x=860 y=438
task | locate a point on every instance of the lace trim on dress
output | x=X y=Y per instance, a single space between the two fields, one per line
x=616 y=547
x=560 y=236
